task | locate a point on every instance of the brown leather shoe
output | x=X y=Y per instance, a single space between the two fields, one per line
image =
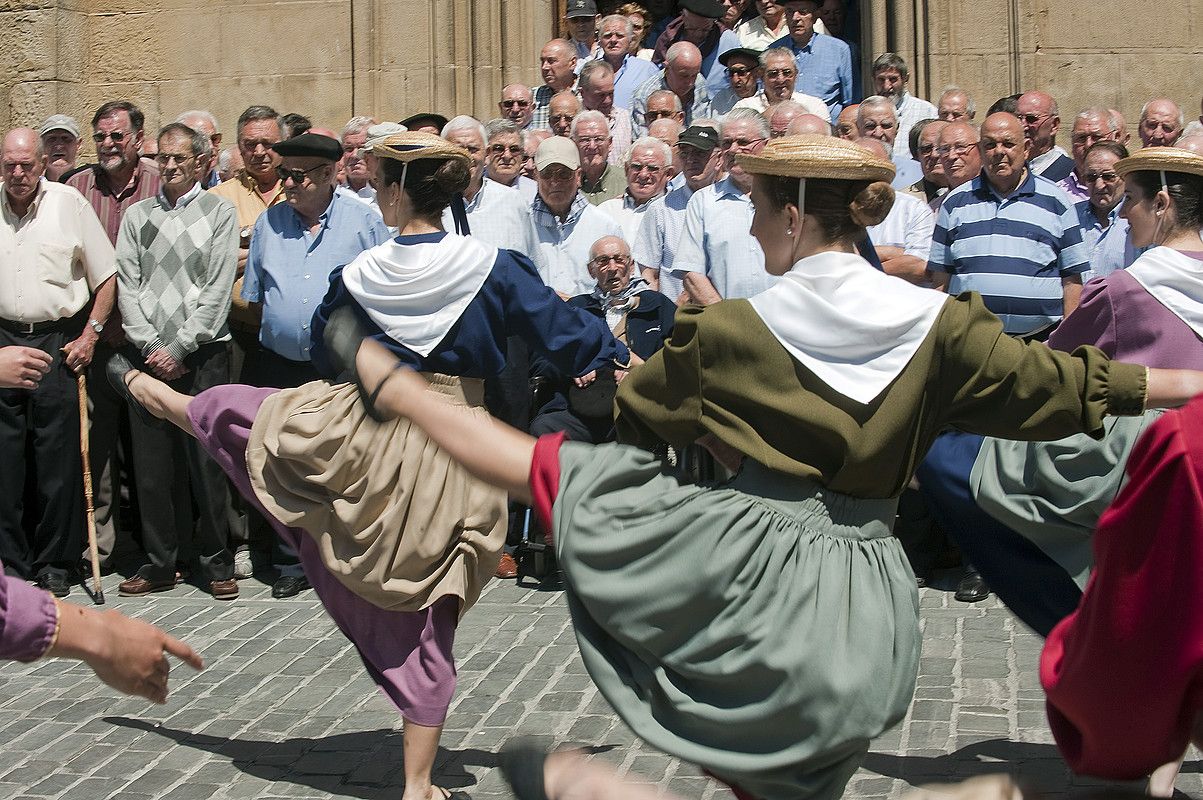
x=224 y=590
x=507 y=567
x=138 y=586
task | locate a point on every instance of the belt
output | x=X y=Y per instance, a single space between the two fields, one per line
x=34 y=328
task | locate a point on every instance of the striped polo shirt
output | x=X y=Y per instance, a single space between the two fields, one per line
x=1012 y=250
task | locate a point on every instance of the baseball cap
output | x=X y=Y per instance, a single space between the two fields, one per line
x=703 y=137
x=557 y=150
x=581 y=8
x=59 y=122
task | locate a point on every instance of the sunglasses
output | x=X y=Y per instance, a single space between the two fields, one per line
x=501 y=149
x=515 y=103
x=117 y=136
x=298 y=175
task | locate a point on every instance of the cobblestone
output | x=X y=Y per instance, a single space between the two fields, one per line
x=285 y=710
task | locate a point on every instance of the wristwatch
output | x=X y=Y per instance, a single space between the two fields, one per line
x=98 y=327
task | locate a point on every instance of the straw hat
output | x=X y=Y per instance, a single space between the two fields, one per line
x=1161 y=159
x=413 y=145
x=814 y=156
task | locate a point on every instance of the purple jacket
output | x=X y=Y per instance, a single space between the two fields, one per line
x=27 y=620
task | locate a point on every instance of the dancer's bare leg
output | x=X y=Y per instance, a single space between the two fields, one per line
x=491 y=450
x=421 y=745
x=160 y=399
x=568 y=775
x=1161 y=782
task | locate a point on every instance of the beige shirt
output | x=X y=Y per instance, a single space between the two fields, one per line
x=243 y=193
x=53 y=258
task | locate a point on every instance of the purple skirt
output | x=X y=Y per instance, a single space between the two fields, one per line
x=408 y=654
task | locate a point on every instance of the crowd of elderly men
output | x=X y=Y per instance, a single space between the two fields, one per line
x=617 y=177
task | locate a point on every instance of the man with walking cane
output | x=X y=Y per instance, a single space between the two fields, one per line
x=56 y=270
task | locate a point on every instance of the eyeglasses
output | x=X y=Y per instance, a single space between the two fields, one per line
x=650 y=168
x=1107 y=177
x=501 y=149
x=600 y=261
x=298 y=175
x=117 y=136
x=1032 y=119
x=739 y=72
x=780 y=73
x=872 y=126
x=742 y=144
x=954 y=149
x=1088 y=138
x=165 y=159
x=25 y=166
x=562 y=117
x=652 y=116
x=926 y=149
x=515 y=103
x=591 y=139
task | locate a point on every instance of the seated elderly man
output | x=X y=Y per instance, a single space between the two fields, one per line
x=903 y=239
x=647 y=165
x=743 y=70
x=779 y=76
x=640 y=317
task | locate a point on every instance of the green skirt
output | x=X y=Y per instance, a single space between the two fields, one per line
x=765 y=629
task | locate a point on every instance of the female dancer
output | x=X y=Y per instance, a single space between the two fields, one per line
x=765 y=628
x=396 y=539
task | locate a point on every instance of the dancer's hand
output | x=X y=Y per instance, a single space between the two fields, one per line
x=22 y=367
x=586 y=379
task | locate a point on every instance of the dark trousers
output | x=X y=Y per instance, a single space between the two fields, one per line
x=1036 y=588
x=266 y=368
x=39 y=439
x=594 y=430
x=107 y=417
x=173 y=473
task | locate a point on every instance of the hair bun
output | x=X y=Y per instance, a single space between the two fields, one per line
x=871 y=204
x=452 y=177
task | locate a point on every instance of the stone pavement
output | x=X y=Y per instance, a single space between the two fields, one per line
x=285 y=710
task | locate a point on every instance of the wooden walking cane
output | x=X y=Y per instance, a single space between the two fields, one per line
x=97 y=590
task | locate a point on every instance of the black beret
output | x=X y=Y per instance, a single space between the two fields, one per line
x=310 y=144
x=704 y=8
x=736 y=52
x=425 y=117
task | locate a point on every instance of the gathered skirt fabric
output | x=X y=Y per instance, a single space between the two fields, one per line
x=394 y=518
x=765 y=628
x=407 y=654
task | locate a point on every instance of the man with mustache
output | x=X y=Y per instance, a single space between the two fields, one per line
x=60 y=139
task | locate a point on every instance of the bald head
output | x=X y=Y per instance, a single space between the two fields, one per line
x=22 y=162
x=1041 y=120
x=808 y=123
x=781 y=115
x=23 y=138
x=1161 y=123
x=1193 y=143
x=845 y=123
x=875 y=146
x=959 y=153
x=684 y=54
x=557 y=64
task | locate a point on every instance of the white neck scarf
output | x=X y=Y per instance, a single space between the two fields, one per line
x=854 y=327
x=416 y=292
x=1175 y=280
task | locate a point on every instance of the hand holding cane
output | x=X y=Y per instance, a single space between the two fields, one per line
x=97 y=590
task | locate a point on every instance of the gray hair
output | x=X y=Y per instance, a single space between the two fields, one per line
x=660 y=93
x=199 y=114
x=874 y=101
x=618 y=18
x=465 y=123
x=970 y=106
x=748 y=115
x=675 y=52
x=357 y=125
x=892 y=61
x=1145 y=108
x=223 y=160
x=496 y=127
x=1101 y=113
x=648 y=141
x=589 y=116
x=197 y=141
x=777 y=52
x=258 y=114
x=592 y=68
x=917 y=131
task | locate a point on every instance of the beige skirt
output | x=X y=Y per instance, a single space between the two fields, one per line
x=395 y=519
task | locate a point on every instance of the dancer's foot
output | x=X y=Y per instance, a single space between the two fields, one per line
x=364 y=362
x=122 y=375
x=535 y=774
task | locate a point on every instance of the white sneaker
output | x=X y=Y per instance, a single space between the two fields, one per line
x=243 y=566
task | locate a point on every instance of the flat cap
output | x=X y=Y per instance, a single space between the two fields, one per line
x=313 y=145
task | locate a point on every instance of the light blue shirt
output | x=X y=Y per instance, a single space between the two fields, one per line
x=824 y=70
x=633 y=73
x=1111 y=247
x=716 y=241
x=563 y=246
x=499 y=217
x=655 y=245
x=288 y=268
x=713 y=69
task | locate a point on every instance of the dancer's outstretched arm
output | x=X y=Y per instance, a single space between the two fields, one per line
x=486 y=447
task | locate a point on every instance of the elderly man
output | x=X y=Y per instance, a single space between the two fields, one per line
x=562 y=111
x=655 y=244
x=530 y=146
x=876 y=118
x=824 y=62
x=119 y=180
x=959 y=154
x=779 y=75
x=808 y=124
x=647 y=165
x=580 y=16
x=496 y=215
x=1091 y=126
x=517 y=104
x=204 y=122
x=698 y=25
x=769 y=25
x=176 y=258
x=59 y=290
x=781 y=115
x=601 y=179
x=1031 y=272
x=717 y=257
x=743 y=69
x=925 y=144
x=630 y=72
x=669 y=131
x=1038 y=113
x=681 y=76
x=639 y=317
x=845 y=123
x=295 y=247
x=1104 y=230
x=356 y=175
x=557 y=67
x=956 y=105
x=596 y=84
x=60 y=139
x=903 y=239
x=565 y=222
x=505 y=155
x=1161 y=123
x=890 y=76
